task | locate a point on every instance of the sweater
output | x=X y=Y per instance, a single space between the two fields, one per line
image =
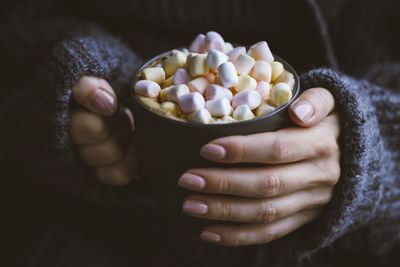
x=58 y=214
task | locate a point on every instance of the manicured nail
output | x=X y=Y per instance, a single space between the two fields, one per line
x=191 y=181
x=104 y=103
x=210 y=236
x=213 y=152
x=195 y=207
x=303 y=110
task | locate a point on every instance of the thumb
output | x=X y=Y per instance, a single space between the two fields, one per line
x=312 y=106
x=95 y=94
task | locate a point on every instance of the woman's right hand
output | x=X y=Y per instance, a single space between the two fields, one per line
x=102 y=134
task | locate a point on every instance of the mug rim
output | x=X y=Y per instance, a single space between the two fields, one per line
x=287 y=66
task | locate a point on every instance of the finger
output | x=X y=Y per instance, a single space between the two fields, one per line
x=283 y=146
x=252 y=234
x=312 y=106
x=87 y=128
x=95 y=94
x=123 y=172
x=108 y=152
x=246 y=210
x=264 y=182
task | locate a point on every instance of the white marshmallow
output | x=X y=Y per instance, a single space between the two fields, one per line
x=214 y=41
x=200 y=116
x=236 y=52
x=215 y=58
x=243 y=112
x=219 y=107
x=215 y=91
x=191 y=102
x=286 y=77
x=228 y=47
x=250 y=98
x=198 y=85
x=244 y=63
x=264 y=109
x=175 y=61
x=199 y=44
x=262 y=71
x=147 y=88
x=181 y=76
x=261 y=51
x=155 y=74
x=281 y=94
x=175 y=92
x=170 y=107
x=227 y=75
x=264 y=89
x=246 y=83
x=277 y=70
x=198 y=65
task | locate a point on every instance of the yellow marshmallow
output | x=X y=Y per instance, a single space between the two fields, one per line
x=168 y=82
x=277 y=70
x=246 y=83
x=176 y=61
x=198 y=65
x=155 y=74
x=170 y=107
x=264 y=109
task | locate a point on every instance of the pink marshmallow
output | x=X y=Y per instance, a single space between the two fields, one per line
x=181 y=76
x=250 y=98
x=147 y=88
x=214 y=41
x=191 y=102
x=199 y=44
x=215 y=91
x=236 y=52
x=264 y=89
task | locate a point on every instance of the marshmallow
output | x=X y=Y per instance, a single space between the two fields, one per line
x=175 y=92
x=264 y=109
x=175 y=61
x=168 y=82
x=228 y=47
x=198 y=65
x=244 y=63
x=199 y=44
x=227 y=75
x=286 y=77
x=198 y=85
x=281 y=94
x=181 y=76
x=191 y=102
x=155 y=74
x=211 y=77
x=214 y=41
x=215 y=58
x=250 y=98
x=262 y=71
x=224 y=119
x=150 y=103
x=200 y=116
x=219 y=107
x=261 y=51
x=243 y=112
x=215 y=91
x=264 y=89
x=277 y=70
x=147 y=88
x=246 y=83
x=236 y=52
x=170 y=107
x=163 y=93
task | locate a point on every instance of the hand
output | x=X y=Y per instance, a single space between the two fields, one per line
x=290 y=190
x=102 y=135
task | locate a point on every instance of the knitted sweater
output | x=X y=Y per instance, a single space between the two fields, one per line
x=59 y=215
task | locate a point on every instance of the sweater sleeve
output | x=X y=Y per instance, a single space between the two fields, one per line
x=48 y=57
x=364 y=211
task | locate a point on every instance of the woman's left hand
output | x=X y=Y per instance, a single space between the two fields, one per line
x=290 y=190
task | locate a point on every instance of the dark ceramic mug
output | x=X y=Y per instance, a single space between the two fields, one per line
x=167 y=148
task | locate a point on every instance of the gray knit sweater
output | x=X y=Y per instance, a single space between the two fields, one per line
x=64 y=217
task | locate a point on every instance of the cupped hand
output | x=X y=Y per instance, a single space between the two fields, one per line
x=300 y=167
x=102 y=133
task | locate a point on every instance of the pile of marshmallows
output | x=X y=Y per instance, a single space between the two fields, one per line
x=213 y=82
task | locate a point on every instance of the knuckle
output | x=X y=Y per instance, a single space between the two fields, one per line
x=330 y=148
x=334 y=173
x=223 y=211
x=223 y=183
x=267 y=236
x=268 y=213
x=280 y=149
x=237 y=146
x=270 y=186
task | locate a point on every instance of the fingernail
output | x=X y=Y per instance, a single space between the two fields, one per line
x=191 y=181
x=213 y=152
x=303 y=110
x=104 y=103
x=210 y=236
x=195 y=207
